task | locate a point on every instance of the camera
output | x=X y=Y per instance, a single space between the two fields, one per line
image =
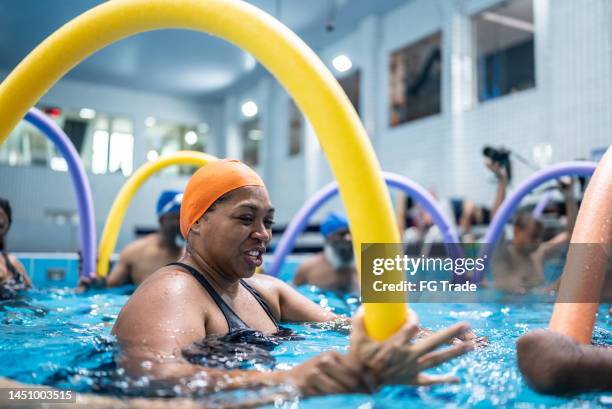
x=501 y=156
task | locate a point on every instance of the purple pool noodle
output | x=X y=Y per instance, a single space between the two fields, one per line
x=511 y=203
x=544 y=201
x=80 y=183
x=300 y=220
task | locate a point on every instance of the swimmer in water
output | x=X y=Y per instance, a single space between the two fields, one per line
x=226 y=219
x=334 y=268
x=143 y=257
x=518 y=265
x=13 y=276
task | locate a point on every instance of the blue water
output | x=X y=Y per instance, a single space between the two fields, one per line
x=57 y=338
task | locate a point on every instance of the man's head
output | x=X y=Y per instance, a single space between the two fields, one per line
x=168 y=213
x=527 y=232
x=338 y=243
x=5 y=218
x=227 y=217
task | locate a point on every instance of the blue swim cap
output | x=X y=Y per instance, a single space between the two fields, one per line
x=333 y=222
x=169 y=202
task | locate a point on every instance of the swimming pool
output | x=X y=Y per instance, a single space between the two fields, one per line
x=57 y=338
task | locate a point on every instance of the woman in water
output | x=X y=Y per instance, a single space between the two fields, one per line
x=13 y=276
x=213 y=291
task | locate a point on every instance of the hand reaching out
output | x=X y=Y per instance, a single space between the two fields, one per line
x=398 y=360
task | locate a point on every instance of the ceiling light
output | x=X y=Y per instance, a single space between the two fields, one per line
x=150 y=121
x=203 y=128
x=249 y=109
x=255 y=135
x=152 y=155
x=508 y=21
x=87 y=113
x=59 y=164
x=191 y=138
x=342 y=63
x=249 y=62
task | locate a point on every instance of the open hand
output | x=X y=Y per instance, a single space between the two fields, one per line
x=399 y=361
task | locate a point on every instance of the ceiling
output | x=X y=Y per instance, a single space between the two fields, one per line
x=177 y=62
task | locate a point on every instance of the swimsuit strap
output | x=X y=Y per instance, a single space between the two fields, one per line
x=17 y=278
x=234 y=323
x=261 y=301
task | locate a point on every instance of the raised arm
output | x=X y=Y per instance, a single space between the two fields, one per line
x=502 y=183
x=400 y=212
x=562 y=239
x=571 y=206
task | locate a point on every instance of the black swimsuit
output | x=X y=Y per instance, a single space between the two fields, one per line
x=234 y=323
x=17 y=277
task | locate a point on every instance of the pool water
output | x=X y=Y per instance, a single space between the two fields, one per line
x=55 y=337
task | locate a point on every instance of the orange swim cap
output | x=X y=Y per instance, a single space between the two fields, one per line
x=209 y=183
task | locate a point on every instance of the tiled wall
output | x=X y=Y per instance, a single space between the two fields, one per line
x=570 y=108
x=35 y=192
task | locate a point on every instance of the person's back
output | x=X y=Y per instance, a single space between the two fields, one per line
x=140 y=259
x=318 y=271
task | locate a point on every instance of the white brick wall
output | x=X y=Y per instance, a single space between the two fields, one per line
x=570 y=107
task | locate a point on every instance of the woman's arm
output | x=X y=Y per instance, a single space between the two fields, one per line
x=21 y=270
x=166 y=314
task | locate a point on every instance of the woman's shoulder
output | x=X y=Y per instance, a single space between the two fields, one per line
x=268 y=286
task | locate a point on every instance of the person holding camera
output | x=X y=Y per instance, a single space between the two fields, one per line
x=518 y=265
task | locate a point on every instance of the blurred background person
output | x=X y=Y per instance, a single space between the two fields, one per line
x=334 y=268
x=13 y=276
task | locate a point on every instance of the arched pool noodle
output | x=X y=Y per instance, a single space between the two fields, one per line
x=508 y=206
x=108 y=241
x=305 y=77
x=542 y=203
x=408 y=186
x=80 y=183
x=585 y=269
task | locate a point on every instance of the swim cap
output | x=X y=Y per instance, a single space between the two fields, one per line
x=333 y=222
x=209 y=183
x=169 y=202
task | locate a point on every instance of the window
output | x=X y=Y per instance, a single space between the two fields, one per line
x=165 y=137
x=416 y=72
x=505 y=57
x=350 y=85
x=105 y=143
x=26 y=146
x=296 y=128
x=251 y=140
x=112 y=145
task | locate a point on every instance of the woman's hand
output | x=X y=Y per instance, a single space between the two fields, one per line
x=328 y=373
x=498 y=170
x=399 y=361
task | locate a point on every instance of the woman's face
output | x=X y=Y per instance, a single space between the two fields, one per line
x=4 y=223
x=233 y=236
